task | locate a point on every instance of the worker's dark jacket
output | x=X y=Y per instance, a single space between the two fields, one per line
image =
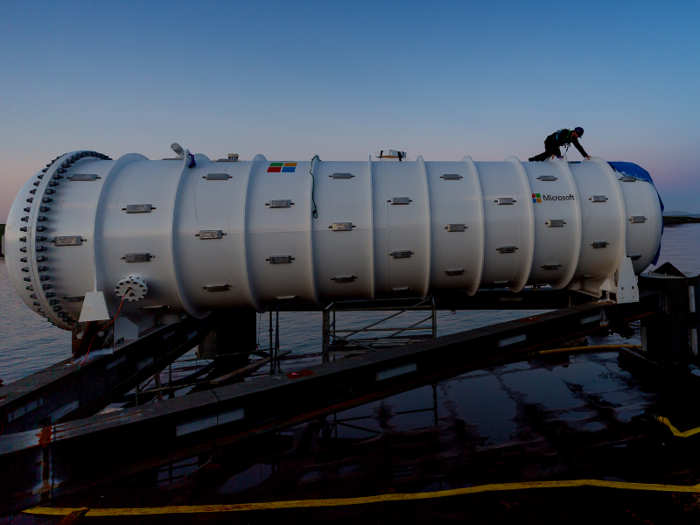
x=563 y=138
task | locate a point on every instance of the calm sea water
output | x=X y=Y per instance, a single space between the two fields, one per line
x=28 y=343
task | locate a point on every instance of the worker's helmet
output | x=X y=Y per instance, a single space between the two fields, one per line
x=579 y=131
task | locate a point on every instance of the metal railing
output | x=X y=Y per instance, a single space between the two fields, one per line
x=353 y=340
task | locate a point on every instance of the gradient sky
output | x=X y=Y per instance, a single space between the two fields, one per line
x=289 y=80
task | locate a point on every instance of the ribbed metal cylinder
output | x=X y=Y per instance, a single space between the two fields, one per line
x=203 y=235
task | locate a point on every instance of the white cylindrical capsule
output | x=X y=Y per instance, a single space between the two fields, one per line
x=207 y=235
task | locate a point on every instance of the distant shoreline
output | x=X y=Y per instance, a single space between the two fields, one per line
x=672 y=221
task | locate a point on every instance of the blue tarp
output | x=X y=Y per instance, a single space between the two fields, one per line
x=639 y=173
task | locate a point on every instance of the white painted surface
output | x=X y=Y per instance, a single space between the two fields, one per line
x=94 y=307
x=512 y=340
x=691 y=299
x=208 y=422
x=395 y=372
x=591 y=319
x=65 y=409
x=189 y=273
x=231 y=415
x=196 y=425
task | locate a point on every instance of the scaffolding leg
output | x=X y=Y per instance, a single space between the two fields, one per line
x=272 y=361
x=331 y=327
x=277 y=340
x=159 y=386
x=326 y=335
x=435 y=403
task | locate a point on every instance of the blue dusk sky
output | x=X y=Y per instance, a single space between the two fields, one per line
x=340 y=79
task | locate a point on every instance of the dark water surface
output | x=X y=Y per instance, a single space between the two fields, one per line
x=552 y=417
x=566 y=417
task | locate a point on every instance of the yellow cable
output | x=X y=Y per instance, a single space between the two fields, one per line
x=580 y=348
x=675 y=431
x=338 y=502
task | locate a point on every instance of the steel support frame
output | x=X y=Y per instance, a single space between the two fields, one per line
x=70 y=390
x=368 y=344
x=533 y=298
x=62 y=458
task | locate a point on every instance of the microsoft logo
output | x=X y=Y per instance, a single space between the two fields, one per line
x=284 y=167
x=537 y=198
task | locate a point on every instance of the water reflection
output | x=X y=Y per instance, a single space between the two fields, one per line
x=591 y=377
x=247 y=479
x=541 y=387
x=176 y=472
x=476 y=400
x=522 y=419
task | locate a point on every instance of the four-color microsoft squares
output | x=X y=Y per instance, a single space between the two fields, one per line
x=284 y=167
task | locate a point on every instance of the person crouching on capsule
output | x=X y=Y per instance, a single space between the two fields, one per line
x=563 y=137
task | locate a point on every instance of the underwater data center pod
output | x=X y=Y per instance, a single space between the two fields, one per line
x=189 y=235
